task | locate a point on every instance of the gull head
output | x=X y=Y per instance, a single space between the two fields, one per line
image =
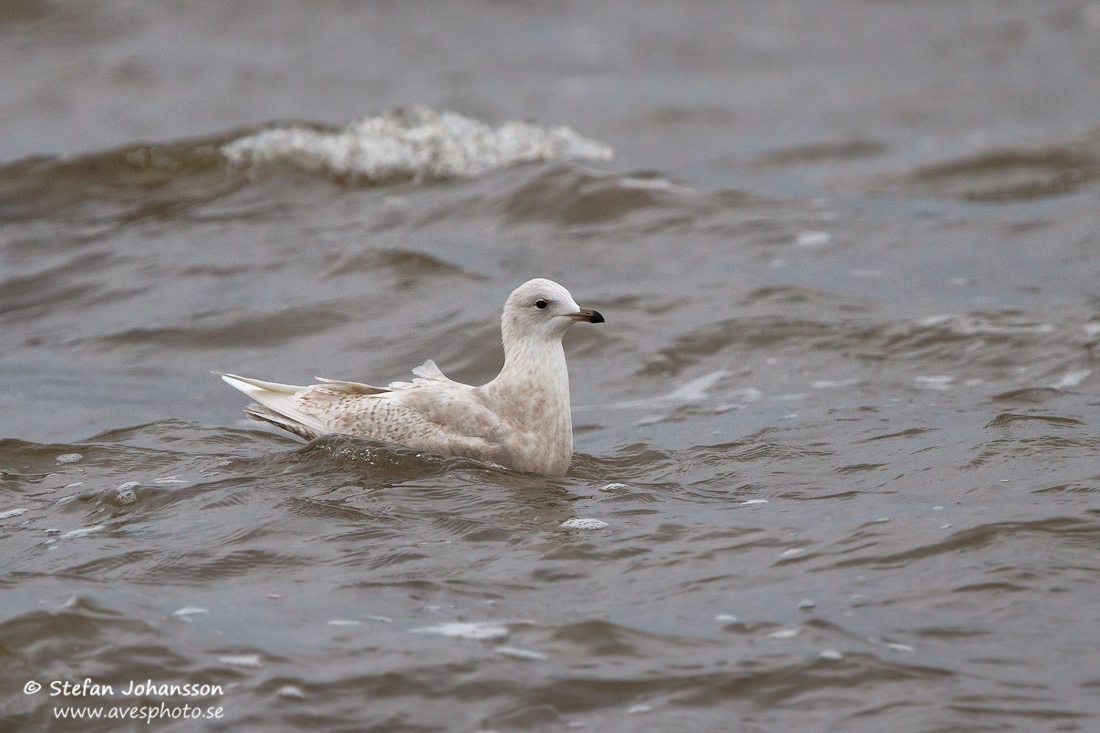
x=543 y=310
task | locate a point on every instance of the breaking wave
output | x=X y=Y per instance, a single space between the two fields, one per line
x=418 y=144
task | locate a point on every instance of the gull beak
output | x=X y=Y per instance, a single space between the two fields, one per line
x=587 y=315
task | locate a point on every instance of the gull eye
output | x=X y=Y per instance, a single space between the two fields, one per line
x=540 y=303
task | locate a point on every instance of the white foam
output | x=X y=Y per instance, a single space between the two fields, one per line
x=743 y=396
x=691 y=392
x=188 y=611
x=11 y=513
x=831 y=654
x=477 y=630
x=750 y=502
x=829 y=383
x=976 y=325
x=126 y=494
x=813 y=239
x=942 y=382
x=248 y=661
x=1072 y=379
x=420 y=143
x=726 y=618
x=652 y=184
x=584 y=523
x=784 y=634
x=68 y=458
x=291 y=691
x=84 y=532
x=511 y=651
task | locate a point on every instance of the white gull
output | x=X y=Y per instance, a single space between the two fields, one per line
x=520 y=420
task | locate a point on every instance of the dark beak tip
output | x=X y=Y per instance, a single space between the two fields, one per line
x=588 y=316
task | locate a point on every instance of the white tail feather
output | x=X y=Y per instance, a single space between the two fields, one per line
x=277 y=397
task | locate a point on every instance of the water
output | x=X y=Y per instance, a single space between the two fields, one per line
x=837 y=447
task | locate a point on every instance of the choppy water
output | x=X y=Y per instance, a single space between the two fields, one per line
x=838 y=453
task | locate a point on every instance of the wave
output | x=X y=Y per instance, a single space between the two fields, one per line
x=991 y=339
x=420 y=144
x=1009 y=174
x=168 y=179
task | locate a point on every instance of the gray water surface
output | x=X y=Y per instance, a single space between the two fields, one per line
x=841 y=423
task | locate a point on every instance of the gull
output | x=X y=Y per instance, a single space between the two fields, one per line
x=520 y=420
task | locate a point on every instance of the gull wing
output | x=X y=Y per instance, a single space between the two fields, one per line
x=431 y=413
